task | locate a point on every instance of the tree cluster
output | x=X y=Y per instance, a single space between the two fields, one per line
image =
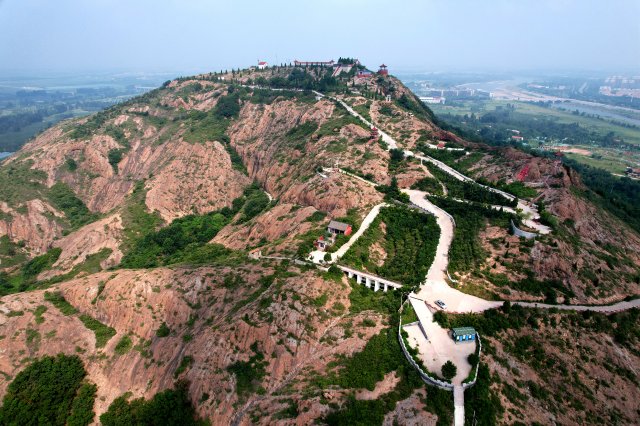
x=50 y=391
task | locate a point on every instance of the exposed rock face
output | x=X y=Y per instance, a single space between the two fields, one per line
x=196 y=179
x=411 y=412
x=283 y=221
x=181 y=178
x=606 y=380
x=336 y=194
x=580 y=252
x=263 y=145
x=136 y=302
x=37 y=227
x=223 y=314
x=88 y=240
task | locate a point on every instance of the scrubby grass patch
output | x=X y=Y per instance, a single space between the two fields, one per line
x=57 y=299
x=249 y=373
x=102 y=332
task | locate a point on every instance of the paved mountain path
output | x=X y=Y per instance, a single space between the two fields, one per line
x=435 y=286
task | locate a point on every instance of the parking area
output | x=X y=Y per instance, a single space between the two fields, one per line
x=437 y=347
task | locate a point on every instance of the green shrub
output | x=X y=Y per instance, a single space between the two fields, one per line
x=413 y=104
x=124 y=345
x=470 y=191
x=411 y=239
x=41 y=309
x=449 y=370
x=255 y=202
x=428 y=184
x=249 y=373
x=185 y=363
x=92 y=124
x=82 y=407
x=170 y=408
x=317 y=216
x=158 y=247
x=63 y=198
x=302 y=131
x=228 y=106
x=102 y=332
x=38 y=264
x=71 y=164
x=57 y=299
x=481 y=400
x=473 y=359
x=466 y=251
x=163 y=330
x=115 y=156
x=136 y=220
x=321 y=300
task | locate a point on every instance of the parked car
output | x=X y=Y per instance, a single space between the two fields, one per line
x=441 y=304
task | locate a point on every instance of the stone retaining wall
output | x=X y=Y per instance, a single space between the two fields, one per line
x=520 y=233
x=475 y=376
x=425 y=377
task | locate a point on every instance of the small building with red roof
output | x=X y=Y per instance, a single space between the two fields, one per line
x=262 y=65
x=383 y=70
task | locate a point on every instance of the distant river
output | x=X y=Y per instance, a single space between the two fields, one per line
x=605 y=111
x=5 y=154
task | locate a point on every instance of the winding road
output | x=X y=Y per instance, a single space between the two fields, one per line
x=435 y=286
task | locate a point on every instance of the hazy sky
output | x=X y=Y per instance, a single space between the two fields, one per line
x=184 y=35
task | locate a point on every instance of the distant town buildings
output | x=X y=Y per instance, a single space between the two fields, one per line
x=632 y=173
x=433 y=99
x=517 y=138
x=455 y=94
x=621 y=86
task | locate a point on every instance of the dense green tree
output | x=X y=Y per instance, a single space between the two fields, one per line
x=449 y=370
x=47 y=393
x=168 y=408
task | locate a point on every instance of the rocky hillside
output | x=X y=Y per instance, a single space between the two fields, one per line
x=124 y=239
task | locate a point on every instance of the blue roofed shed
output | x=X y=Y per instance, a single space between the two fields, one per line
x=464 y=334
